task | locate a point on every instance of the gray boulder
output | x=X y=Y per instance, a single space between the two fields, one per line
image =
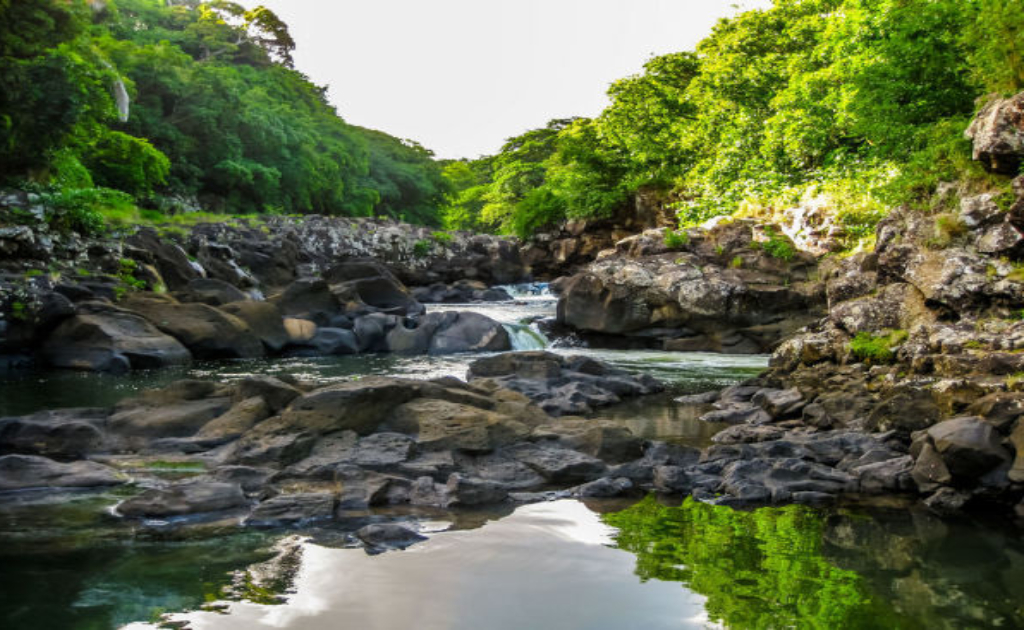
x=21 y=472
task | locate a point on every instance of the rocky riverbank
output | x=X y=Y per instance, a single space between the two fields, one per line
x=272 y=452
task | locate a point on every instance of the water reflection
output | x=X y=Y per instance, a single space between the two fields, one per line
x=803 y=568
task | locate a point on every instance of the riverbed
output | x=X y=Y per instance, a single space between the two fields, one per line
x=558 y=564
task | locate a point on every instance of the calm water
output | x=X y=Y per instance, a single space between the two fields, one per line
x=560 y=565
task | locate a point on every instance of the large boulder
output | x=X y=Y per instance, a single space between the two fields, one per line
x=470 y=332
x=105 y=338
x=309 y=300
x=367 y=283
x=184 y=498
x=210 y=291
x=207 y=332
x=997 y=133
x=969 y=446
x=174 y=265
x=263 y=319
x=64 y=433
x=21 y=472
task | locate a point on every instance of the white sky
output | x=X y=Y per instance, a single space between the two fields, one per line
x=461 y=76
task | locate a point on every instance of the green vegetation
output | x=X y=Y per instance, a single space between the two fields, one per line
x=877 y=348
x=860 y=103
x=422 y=247
x=755 y=568
x=676 y=239
x=777 y=246
x=217 y=116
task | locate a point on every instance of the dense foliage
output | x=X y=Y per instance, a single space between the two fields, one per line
x=217 y=115
x=860 y=101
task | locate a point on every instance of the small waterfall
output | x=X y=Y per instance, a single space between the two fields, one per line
x=122 y=100
x=525 y=337
x=531 y=290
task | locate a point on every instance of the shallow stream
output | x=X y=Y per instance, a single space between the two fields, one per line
x=559 y=565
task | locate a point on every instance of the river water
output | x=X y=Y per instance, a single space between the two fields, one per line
x=559 y=565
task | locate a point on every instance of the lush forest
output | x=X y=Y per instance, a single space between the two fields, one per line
x=862 y=102
x=175 y=105
x=186 y=105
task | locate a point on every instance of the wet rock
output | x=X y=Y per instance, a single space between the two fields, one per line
x=194 y=497
x=445 y=425
x=947 y=501
x=288 y=509
x=746 y=434
x=104 y=338
x=206 y=331
x=969 y=446
x=605 y=488
x=747 y=414
x=608 y=441
x=470 y=332
x=156 y=417
x=461 y=491
x=310 y=300
x=558 y=465
x=252 y=480
x=329 y=341
x=380 y=537
x=210 y=291
x=21 y=472
x=275 y=392
x=62 y=434
x=672 y=479
x=237 y=420
x=367 y=282
x=892 y=475
x=264 y=320
x=360 y=406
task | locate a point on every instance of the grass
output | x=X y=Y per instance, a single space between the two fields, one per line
x=877 y=348
x=676 y=239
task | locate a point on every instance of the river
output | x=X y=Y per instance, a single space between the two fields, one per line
x=563 y=564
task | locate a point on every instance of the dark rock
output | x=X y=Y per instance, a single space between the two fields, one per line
x=108 y=339
x=470 y=332
x=605 y=488
x=672 y=479
x=310 y=300
x=285 y=509
x=263 y=319
x=206 y=331
x=193 y=497
x=558 y=465
x=21 y=472
x=969 y=446
x=947 y=501
x=210 y=291
x=62 y=434
x=461 y=491
x=383 y=536
x=274 y=391
x=738 y=415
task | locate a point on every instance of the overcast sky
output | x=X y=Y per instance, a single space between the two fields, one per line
x=461 y=76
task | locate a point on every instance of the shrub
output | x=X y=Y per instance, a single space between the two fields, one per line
x=877 y=348
x=421 y=248
x=777 y=245
x=442 y=238
x=676 y=239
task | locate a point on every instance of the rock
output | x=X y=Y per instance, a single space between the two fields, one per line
x=446 y=425
x=21 y=472
x=747 y=434
x=608 y=441
x=1016 y=473
x=461 y=491
x=332 y=341
x=470 y=332
x=969 y=446
x=1003 y=239
x=360 y=406
x=288 y=509
x=158 y=419
x=109 y=339
x=264 y=320
x=413 y=335
x=947 y=501
x=980 y=210
x=310 y=300
x=382 y=451
x=275 y=392
x=380 y=537
x=299 y=331
x=1001 y=409
x=171 y=260
x=604 y=488
x=558 y=465
x=193 y=497
x=206 y=331
x=891 y=475
x=997 y=133
x=237 y=420
x=63 y=434
x=747 y=414
x=369 y=283
x=672 y=480
x=252 y=480
x=210 y=291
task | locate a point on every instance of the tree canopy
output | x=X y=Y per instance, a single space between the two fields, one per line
x=217 y=114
